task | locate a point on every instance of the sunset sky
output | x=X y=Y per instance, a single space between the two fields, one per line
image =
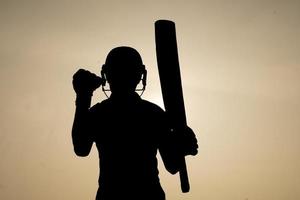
x=240 y=65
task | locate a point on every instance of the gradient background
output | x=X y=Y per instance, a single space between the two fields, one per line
x=241 y=76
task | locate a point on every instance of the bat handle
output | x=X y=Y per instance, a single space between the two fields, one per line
x=184 y=179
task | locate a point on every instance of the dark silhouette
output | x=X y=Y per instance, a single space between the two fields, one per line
x=170 y=82
x=127 y=130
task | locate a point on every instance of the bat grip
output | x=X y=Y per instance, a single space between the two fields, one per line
x=184 y=179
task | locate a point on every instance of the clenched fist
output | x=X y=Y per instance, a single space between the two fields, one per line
x=186 y=140
x=85 y=82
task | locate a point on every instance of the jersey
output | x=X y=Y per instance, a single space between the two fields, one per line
x=128 y=132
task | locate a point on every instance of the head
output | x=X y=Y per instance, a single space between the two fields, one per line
x=123 y=70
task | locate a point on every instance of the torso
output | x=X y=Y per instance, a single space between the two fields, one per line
x=127 y=135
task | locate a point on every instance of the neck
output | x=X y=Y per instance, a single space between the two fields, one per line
x=124 y=94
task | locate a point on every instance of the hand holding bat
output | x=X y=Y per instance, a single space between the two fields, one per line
x=186 y=141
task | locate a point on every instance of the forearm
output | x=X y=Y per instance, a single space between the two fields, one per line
x=170 y=155
x=81 y=132
x=169 y=149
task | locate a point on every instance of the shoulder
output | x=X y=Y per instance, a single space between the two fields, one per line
x=156 y=117
x=147 y=105
x=100 y=106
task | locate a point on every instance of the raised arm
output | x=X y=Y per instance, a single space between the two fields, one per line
x=84 y=83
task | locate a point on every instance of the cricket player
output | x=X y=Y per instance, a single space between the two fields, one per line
x=127 y=130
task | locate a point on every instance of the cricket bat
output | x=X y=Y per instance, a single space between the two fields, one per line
x=170 y=81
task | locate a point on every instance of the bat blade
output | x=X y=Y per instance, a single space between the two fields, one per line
x=171 y=86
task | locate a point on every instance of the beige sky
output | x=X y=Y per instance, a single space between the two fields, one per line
x=240 y=65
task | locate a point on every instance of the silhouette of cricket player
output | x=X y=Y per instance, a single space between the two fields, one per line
x=127 y=130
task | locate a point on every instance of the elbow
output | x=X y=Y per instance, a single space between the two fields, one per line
x=81 y=152
x=171 y=167
x=172 y=170
x=81 y=146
